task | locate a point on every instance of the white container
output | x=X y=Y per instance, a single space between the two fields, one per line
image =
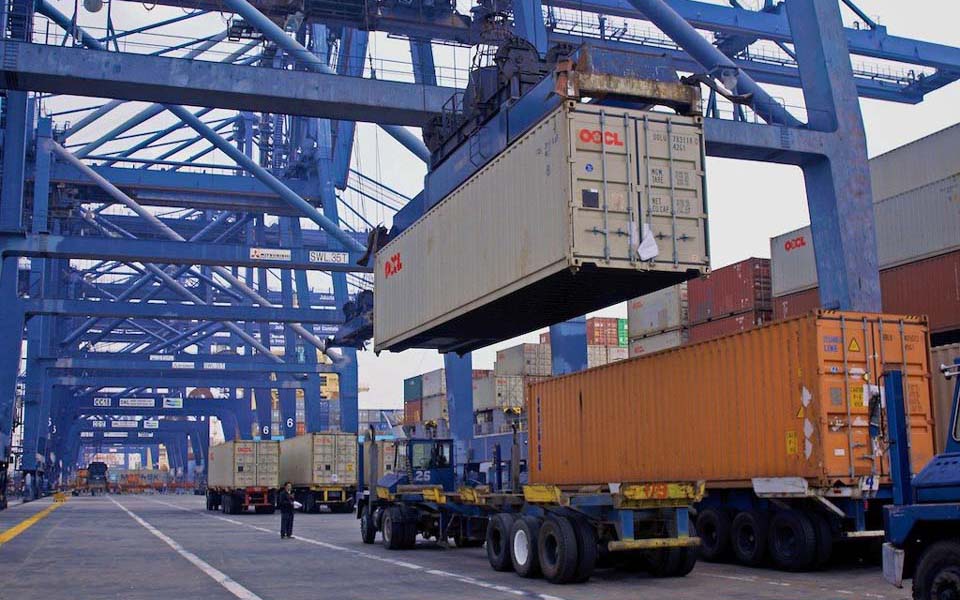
x=433 y=408
x=434 y=383
x=596 y=356
x=615 y=353
x=242 y=464
x=917 y=164
x=484 y=393
x=912 y=226
x=656 y=343
x=319 y=459
x=524 y=359
x=660 y=311
x=565 y=208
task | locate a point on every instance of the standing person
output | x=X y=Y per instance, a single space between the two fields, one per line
x=285 y=502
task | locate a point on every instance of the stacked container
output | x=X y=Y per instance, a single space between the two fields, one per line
x=484 y=391
x=730 y=300
x=658 y=321
x=514 y=368
x=917 y=210
x=942 y=389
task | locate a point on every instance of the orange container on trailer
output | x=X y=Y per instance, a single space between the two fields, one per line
x=775 y=401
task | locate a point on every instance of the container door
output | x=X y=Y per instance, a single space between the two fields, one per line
x=604 y=221
x=669 y=198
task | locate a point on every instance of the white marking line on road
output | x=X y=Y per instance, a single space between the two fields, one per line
x=229 y=584
x=398 y=563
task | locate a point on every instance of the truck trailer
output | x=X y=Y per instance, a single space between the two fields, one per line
x=323 y=470
x=243 y=474
x=785 y=424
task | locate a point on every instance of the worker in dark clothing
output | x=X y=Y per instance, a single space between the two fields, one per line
x=285 y=503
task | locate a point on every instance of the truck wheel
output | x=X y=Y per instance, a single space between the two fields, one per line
x=937 y=576
x=714 y=527
x=673 y=562
x=793 y=540
x=523 y=546
x=394 y=530
x=587 y=543
x=411 y=519
x=824 y=536
x=557 y=549
x=748 y=537
x=368 y=526
x=498 y=541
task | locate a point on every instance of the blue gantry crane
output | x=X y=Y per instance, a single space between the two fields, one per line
x=153 y=274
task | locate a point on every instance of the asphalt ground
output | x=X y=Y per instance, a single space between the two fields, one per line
x=169 y=547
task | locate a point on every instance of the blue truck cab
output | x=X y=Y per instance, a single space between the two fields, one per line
x=922 y=526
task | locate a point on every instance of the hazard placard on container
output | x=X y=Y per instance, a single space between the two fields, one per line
x=793 y=445
x=854 y=345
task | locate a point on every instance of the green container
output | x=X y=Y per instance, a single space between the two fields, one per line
x=622 y=338
x=412 y=389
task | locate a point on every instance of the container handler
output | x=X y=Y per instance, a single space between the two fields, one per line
x=97 y=478
x=559 y=533
x=923 y=523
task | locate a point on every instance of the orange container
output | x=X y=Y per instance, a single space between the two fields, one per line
x=769 y=402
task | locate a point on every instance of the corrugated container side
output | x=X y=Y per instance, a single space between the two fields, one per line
x=727 y=325
x=793 y=265
x=939 y=301
x=434 y=383
x=759 y=405
x=919 y=223
x=615 y=353
x=434 y=407
x=656 y=343
x=412 y=388
x=510 y=390
x=734 y=289
x=524 y=359
x=942 y=391
x=623 y=333
x=928 y=287
x=603 y=331
x=596 y=356
x=412 y=412
x=484 y=393
x=914 y=165
x=661 y=311
x=439 y=284
x=796 y=304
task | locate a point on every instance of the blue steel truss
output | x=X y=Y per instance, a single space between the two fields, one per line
x=162 y=286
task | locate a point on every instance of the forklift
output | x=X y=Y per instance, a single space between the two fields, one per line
x=922 y=526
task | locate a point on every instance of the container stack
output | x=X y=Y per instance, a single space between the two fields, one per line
x=916 y=189
x=730 y=300
x=658 y=321
x=607 y=340
x=412 y=400
x=515 y=367
x=434 y=402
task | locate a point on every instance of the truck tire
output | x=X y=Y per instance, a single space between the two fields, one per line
x=368 y=526
x=498 y=541
x=714 y=527
x=673 y=562
x=748 y=537
x=824 y=535
x=523 y=546
x=937 y=575
x=394 y=529
x=587 y=543
x=792 y=540
x=411 y=519
x=557 y=549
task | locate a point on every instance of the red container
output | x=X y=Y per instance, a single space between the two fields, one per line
x=928 y=287
x=796 y=304
x=412 y=411
x=734 y=289
x=602 y=331
x=728 y=325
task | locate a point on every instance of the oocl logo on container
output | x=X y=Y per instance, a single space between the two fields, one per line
x=797 y=242
x=393 y=265
x=595 y=136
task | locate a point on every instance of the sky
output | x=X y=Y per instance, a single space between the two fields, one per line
x=749 y=202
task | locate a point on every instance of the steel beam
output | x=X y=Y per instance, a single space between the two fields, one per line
x=81 y=72
x=174 y=311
